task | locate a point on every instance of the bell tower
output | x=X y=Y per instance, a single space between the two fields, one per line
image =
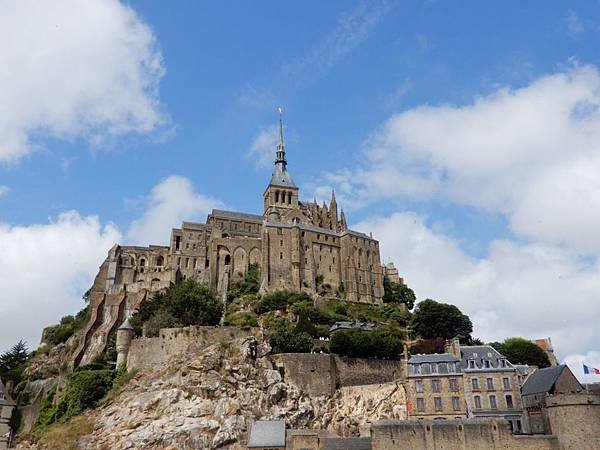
x=281 y=193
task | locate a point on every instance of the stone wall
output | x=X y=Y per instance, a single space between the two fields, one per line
x=575 y=419
x=470 y=434
x=359 y=371
x=155 y=351
x=313 y=373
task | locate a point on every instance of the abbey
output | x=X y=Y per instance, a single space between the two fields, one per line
x=299 y=246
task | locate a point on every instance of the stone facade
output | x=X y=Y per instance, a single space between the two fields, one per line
x=299 y=246
x=6 y=408
x=434 y=387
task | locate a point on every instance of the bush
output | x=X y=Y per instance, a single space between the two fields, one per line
x=396 y=315
x=187 y=302
x=68 y=326
x=287 y=340
x=382 y=343
x=242 y=319
x=249 y=284
x=279 y=300
x=314 y=314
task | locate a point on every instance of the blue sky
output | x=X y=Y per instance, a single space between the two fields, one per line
x=401 y=106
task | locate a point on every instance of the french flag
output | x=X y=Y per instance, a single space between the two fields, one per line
x=589 y=370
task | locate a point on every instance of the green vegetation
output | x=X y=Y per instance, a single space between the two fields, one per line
x=440 y=320
x=183 y=304
x=398 y=293
x=13 y=362
x=521 y=351
x=382 y=343
x=249 y=284
x=285 y=339
x=279 y=301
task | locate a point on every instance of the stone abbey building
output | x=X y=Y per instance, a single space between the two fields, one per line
x=300 y=246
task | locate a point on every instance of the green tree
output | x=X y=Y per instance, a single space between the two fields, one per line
x=12 y=362
x=249 y=284
x=382 y=343
x=521 y=351
x=432 y=319
x=183 y=304
x=398 y=293
x=286 y=340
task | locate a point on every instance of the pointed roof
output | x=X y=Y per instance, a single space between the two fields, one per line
x=126 y=325
x=333 y=202
x=281 y=176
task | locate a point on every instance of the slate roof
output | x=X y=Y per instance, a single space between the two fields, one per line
x=434 y=357
x=281 y=177
x=542 y=380
x=233 y=215
x=481 y=353
x=353 y=325
x=267 y=433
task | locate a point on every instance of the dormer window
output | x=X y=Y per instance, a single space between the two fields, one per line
x=487 y=364
x=471 y=364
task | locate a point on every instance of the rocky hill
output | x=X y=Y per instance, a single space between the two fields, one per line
x=209 y=399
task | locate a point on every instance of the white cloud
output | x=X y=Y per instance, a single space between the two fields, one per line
x=46 y=269
x=75 y=69
x=262 y=148
x=4 y=190
x=573 y=24
x=529 y=290
x=531 y=154
x=170 y=202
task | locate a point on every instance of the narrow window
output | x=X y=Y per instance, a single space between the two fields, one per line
x=277 y=197
x=471 y=364
x=177 y=242
x=509 y=402
x=421 y=404
x=281 y=242
x=330 y=268
x=487 y=364
x=456 y=403
x=289 y=198
x=434 y=368
x=281 y=255
x=490 y=383
x=437 y=402
x=475 y=384
x=477 y=399
x=419 y=385
x=453 y=384
x=506 y=383
x=435 y=385
x=493 y=404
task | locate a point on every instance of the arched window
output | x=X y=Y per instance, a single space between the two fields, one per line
x=227 y=260
x=142 y=265
x=160 y=261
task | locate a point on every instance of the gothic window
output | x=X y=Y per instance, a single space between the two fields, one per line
x=227 y=260
x=142 y=265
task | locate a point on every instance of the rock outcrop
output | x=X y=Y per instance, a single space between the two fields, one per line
x=209 y=400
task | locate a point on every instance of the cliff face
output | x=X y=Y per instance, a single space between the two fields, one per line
x=209 y=400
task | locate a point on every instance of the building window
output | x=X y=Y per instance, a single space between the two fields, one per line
x=326 y=238
x=486 y=363
x=281 y=242
x=506 y=383
x=509 y=402
x=477 y=399
x=490 y=383
x=303 y=234
x=305 y=260
x=330 y=268
x=456 y=403
x=475 y=384
x=418 y=385
x=421 y=404
x=502 y=363
x=435 y=385
x=437 y=402
x=493 y=403
x=279 y=231
x=471 y=364
x=453 y=384
x=281 y=255
x=318 y=237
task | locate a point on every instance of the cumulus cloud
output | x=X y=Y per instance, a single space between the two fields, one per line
x=4 y=190
x=262 y=148
x=46 y=269
x=75 y=70
x=530 y=290
x=170 y=202
x=531 y=154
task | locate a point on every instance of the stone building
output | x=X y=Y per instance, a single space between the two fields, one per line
x=546 y=345
x=6 y=409
x=492 y=387
x=298 y=245
x=541 y=385
x=434 y=387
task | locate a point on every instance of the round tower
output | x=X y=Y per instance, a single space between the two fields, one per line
x=124 y=337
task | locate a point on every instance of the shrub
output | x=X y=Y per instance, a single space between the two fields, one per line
x=187 y=302
x=160 y=319
x=249 y=284
x=287 y=340
x=383 y=343
x=306 y=308
x=279 y=300
x=394 y=314
x=242 y=319
x=68 y=326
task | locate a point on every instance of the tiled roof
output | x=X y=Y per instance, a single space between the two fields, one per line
x=542 y=380
x=233 y=215
x=433 y=357
x=267 y=433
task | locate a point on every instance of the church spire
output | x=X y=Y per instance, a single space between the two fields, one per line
x=280 y=145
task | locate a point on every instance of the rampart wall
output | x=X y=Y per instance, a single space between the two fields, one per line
x=155 y=351
x=360 y=371
x=314 y=373
x=575 y=419
x=467 y=434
